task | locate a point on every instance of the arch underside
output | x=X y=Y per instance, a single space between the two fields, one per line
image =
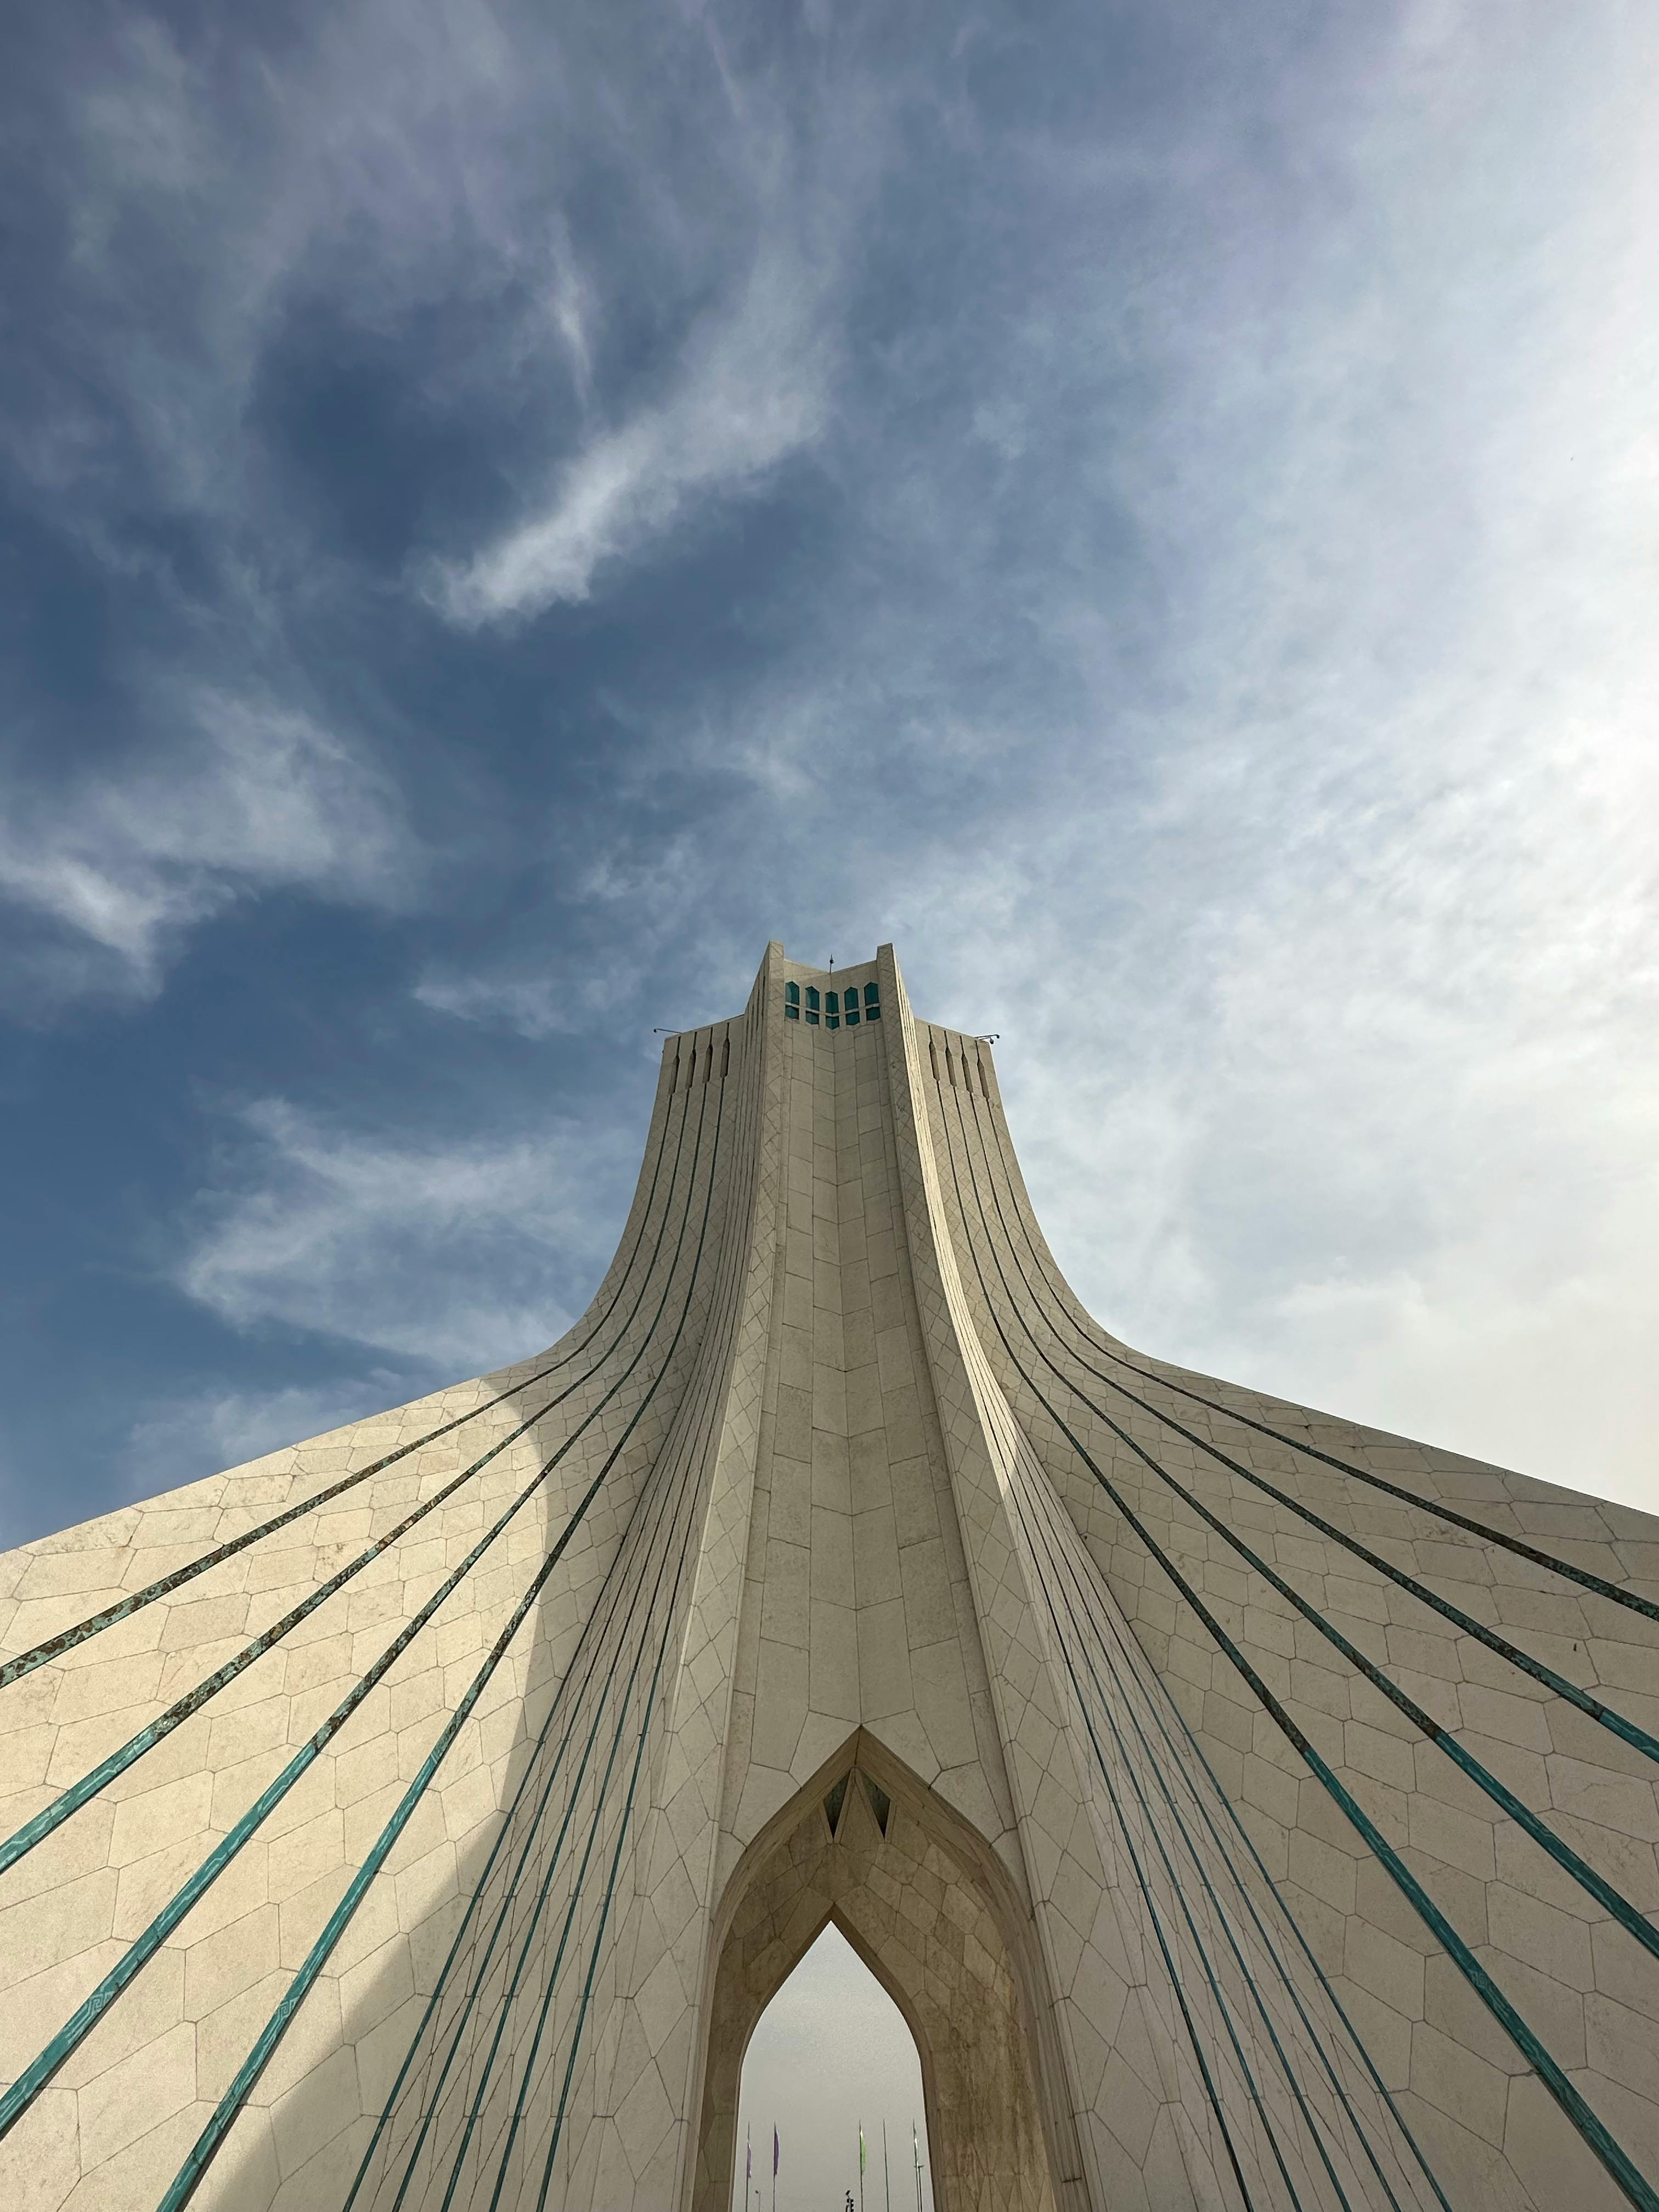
x=898 y=1875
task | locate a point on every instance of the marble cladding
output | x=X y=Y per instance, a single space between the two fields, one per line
x=423 y=1815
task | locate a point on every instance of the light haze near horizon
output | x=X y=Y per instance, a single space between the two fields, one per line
x=831 y=2051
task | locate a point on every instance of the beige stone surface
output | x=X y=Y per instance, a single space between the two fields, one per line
x=1261 y=1829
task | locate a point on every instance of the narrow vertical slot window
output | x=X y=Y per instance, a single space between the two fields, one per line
x=872 y=1002
x=831 y=1011
x=708 y=1064
x=813 y=1006
x=932 y=1054
x=791 y=1002
x=725 y=1058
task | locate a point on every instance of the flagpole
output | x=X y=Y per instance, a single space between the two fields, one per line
x=916 y=2153
x=885 y=2175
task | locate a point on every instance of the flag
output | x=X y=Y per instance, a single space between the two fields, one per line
x=774 y=2154
x=748 y=2164
x=860 y=2149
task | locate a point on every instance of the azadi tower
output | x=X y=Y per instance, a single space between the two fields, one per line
x=1244 y=1809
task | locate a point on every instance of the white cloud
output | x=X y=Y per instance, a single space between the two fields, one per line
x=115 y=865
x=751 y=391
x=180 y=1439
x=463 y=1255
x=1320 y=913
x=1270 y=477
x=535 y=1006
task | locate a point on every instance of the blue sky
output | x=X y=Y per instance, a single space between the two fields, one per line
x=1152 y=509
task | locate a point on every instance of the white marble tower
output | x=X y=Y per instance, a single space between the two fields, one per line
x=1246 y=1810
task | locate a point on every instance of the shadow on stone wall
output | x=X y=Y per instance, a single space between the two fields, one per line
x=301 y=2143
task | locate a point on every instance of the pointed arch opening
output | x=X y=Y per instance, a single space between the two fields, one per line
x=832 y=2058
x=932 y=1911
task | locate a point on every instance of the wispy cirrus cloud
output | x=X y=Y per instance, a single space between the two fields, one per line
x=179 y=1438
x=751 y=391
x=108 y=870
x=459 y=1255
x=1157 y=523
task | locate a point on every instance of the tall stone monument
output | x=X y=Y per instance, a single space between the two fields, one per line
x=1244 y=1809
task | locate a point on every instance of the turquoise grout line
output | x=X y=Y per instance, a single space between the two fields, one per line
x=80 y=1793
x=1315 y=2042
x=1168 y=1963
x=478 y=1894
x=481 y=1967
x=588 y=1990
x=473 y=1901
x=80 y=2024
x=605 y=1913
x=475 y=2106
x=1583 y=2116
x=1611 y=1900
x=1357 y=2041
x=189 y=2174
x=1517 y=1545
x=187 y=2179
x=1151 y=1828
x=717 y=1369
x=1056 y=1555
x=433 y=2095
x=1315 y=2047
x=54 y=1647
x=1012 y=1444
x=1606 y=1716
x=1174 y=1979
x=477 y=2102
x=1588 y=2124
x=605 y=1916
x=1314 y=2036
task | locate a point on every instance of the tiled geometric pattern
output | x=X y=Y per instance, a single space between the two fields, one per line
x=422 y=1816
x=1484 y=1698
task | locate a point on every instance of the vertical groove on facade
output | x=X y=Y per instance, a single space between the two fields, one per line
x=1256 y=1809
